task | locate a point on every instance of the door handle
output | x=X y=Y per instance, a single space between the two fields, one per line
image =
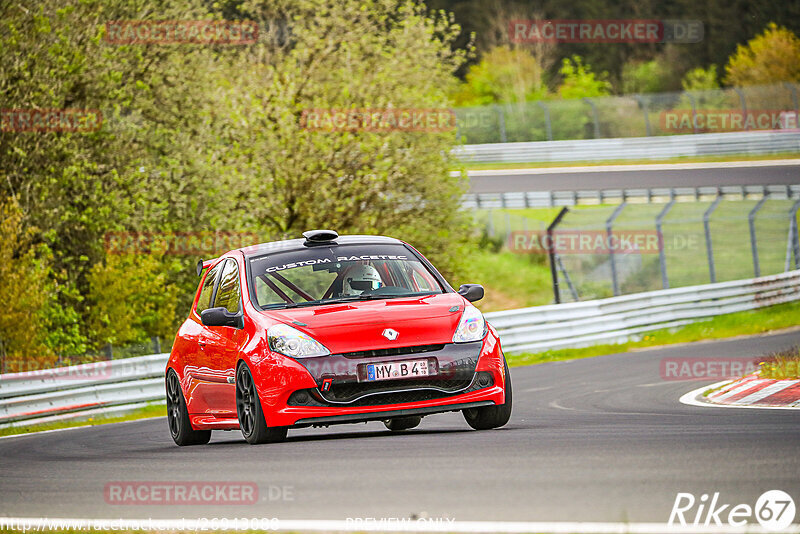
x=202 y=345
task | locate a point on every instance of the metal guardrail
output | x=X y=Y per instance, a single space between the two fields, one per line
x=657 y=147
x=550 y=199
x=101 y=387
x=108 y=386
x=616 y=319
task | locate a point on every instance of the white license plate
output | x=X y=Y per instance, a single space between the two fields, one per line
x=397 y=370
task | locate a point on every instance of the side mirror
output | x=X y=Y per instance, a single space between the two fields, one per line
x=221 y=317
x=471 y=292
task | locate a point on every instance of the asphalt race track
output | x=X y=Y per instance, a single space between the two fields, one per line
x=600 y=439
x=636 y=176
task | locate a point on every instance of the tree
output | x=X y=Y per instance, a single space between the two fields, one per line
x=771 y=57
x=211 y=139
x=23 y=292
x=578 y=80
x=700 y=79
x=286 y=178
x=503 y=76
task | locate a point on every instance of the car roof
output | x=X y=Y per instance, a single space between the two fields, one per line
x=300 y=244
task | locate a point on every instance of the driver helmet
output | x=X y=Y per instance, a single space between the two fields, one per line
x=360 y=278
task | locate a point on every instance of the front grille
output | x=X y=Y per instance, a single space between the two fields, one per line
x=394 y=351
x=389 y=392
x=349 y=391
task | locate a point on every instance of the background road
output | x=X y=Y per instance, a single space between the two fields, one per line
x=636 y=176
x=600 y=439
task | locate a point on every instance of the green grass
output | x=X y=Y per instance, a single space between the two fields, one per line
x=723 y=326
x=510 y=280
x=152 y=410
x=781 y=365
x=686 y=159
x=683 y=237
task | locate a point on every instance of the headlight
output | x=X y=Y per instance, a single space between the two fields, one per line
x=294 y=343
x=472 y=326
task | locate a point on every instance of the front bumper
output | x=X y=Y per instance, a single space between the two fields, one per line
x=468 y=375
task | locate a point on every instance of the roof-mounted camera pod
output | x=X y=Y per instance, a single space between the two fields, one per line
x=320 y=237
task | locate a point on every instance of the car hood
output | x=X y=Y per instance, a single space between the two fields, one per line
x=356 y=326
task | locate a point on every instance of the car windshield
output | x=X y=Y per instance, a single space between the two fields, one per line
x=329 y=274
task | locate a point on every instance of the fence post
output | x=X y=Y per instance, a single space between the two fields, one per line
x=793 y=234
x=662 y=260
x=547 y=126
x=795 y=106
x=743 y=103
x=595 y=117
x=108 y=351
x=571 y=287
x=694 y=111
x=707 y=230
x=609 y=224
x=156 y=344
x=501 y=123
x=751 y=221
x=552 y=253
x=643 y=104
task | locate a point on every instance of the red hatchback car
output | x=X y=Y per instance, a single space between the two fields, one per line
x=327 y=330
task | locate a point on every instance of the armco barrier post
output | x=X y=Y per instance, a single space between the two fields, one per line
x=552 y=253
x=707 y=230
x=751 y=221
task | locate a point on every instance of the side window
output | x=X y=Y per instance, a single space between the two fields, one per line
x=228 y=293
x=204 y=302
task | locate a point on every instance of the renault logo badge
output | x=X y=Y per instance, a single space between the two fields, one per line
x=390 y=334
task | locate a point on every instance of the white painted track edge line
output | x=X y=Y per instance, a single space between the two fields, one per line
x=632 y=167
x=50 y=431
x=427 y=525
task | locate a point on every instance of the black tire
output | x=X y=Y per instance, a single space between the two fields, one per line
x=180 y=426
x=487 y=417
x=251 y=415
x=397 y=424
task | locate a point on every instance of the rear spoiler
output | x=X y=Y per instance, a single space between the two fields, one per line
x=204 y=264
